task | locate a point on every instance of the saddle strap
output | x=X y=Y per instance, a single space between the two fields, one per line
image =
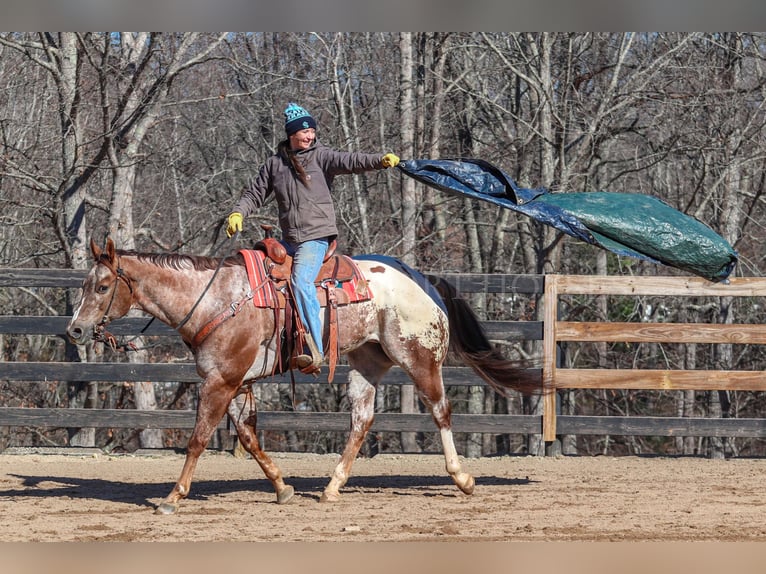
x=293 y=335
x=218 y=320
x=332 y=343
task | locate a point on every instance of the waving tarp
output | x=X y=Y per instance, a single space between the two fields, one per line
x=629 y=224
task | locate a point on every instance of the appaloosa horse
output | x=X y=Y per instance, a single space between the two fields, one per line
x=401 y=325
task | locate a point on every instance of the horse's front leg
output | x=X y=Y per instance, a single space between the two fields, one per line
x=215 y=396
x=244 y=416
x=361 y=394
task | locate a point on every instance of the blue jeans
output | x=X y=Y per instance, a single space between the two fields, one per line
x=307 y=259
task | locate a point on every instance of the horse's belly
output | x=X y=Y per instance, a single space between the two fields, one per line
x=357 y=325
x=264 y=364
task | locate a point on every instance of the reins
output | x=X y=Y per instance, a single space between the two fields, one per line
x=207 y=287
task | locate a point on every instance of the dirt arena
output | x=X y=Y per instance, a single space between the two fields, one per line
x=97 y=497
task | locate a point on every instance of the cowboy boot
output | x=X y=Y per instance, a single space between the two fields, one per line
x=309 y=363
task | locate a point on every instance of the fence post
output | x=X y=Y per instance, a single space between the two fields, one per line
x=550 y=314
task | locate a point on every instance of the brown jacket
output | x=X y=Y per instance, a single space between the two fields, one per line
x=305 y=212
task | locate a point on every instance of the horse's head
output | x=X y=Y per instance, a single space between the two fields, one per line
x=107 y=294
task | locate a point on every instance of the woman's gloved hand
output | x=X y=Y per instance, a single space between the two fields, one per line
x=235 y=223
x=390 y=160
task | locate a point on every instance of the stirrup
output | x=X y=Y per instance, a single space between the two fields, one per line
x=308 y=364
x=302 y=361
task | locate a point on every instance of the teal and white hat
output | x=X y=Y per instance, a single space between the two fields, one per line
x=297 y=118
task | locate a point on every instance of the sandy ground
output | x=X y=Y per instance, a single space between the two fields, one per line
x=96 y=497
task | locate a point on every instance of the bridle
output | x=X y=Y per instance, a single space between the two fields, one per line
x=99 y=330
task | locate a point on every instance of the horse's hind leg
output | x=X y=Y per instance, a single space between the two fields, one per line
x=368 y=365
x=441 y=414
x=244 y=416
x=430 y=388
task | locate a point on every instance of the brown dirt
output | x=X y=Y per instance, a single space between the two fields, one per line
x=96 y=497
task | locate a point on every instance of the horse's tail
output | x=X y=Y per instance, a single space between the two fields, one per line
x=471 y=344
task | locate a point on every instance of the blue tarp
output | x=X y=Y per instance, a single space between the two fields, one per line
x=631 y=224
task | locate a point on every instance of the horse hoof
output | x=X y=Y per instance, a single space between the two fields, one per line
x=329 y=497
x=284 y=496
x=166 y=508
x=466 y=484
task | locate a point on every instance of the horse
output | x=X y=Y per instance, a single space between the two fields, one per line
x=411 y=321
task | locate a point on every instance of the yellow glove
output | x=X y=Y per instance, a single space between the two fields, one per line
x=390 y=160
x=235 y=224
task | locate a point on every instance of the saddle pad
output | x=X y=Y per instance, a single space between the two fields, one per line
x=265 y=293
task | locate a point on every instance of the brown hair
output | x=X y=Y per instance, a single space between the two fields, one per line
x=285 y=151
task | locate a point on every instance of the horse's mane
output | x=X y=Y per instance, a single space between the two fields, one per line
x=182 y=261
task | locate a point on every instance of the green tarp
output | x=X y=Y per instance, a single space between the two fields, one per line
x=630 y=224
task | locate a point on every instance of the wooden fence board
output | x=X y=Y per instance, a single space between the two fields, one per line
x=495 y=283
x=106 y=372
x=63 y=278
x=661 y=332
x=187 y=373
x=660 y=380
x=464 y=282
x=661 y=426
x=47 y=325
x=267 y=420
x=514 y=330
x=392 y=422
x=660 y=286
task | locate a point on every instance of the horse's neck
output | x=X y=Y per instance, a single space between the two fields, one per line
x=165 y=293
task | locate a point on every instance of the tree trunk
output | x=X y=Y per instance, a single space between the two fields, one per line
x=549 y=250
x=81 y=394
x=409 y=202
x=346 y=116
x=432 y=215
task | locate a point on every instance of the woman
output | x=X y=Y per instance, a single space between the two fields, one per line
x=300 y=175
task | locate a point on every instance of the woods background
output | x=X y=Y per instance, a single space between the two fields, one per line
x=151 y=137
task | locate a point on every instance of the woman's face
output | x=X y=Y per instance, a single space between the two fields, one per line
x=302 y=139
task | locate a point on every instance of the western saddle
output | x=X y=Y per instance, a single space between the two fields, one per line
x=339 y=282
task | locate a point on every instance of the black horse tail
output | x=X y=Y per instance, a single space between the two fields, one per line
x=470 y=343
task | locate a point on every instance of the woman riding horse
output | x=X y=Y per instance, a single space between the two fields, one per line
x=410 y=323
x=300 y=175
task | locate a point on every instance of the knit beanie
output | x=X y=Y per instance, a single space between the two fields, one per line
x=297 y=118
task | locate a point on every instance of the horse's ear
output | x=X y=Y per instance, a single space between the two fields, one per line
x=94 y=249
x=110 y=248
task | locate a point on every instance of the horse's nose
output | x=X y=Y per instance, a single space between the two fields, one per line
x=75 y=334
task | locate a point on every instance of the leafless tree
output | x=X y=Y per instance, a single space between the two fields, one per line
x=151 y=138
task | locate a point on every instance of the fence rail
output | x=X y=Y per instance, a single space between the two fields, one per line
x=551 y=331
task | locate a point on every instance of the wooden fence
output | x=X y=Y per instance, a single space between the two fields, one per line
x=555 y=378
x=186 y=373
x=551 y=331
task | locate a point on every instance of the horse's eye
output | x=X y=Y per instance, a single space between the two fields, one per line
x=101 y=289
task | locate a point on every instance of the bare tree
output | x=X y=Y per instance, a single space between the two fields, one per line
x=151 y=137
x=131 y=88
